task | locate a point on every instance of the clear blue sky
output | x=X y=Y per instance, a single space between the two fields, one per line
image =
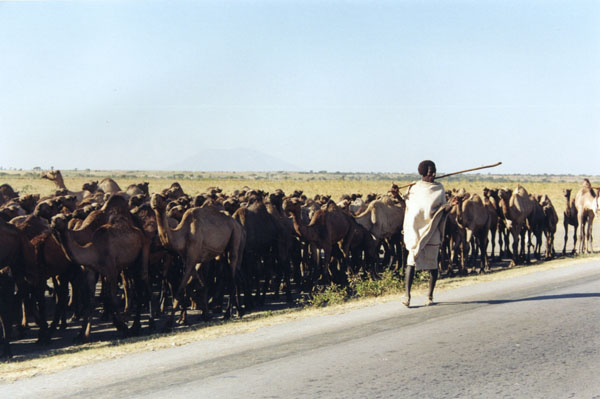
x=334 y=85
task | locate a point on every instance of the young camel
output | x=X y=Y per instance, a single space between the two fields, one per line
x=202 y=235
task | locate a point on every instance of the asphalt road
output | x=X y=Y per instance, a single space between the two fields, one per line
x=536 y=336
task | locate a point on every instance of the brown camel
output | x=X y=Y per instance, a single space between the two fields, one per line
x=56 y=177
x=138 y=189
x=109 y=186
x=113 y=248
x=18 y=254
x=327 y=228
x=570 y=218
x=202 y=235
x=262 y=254
x=586 y=202
x=550 y=223
x=535 y=223
x=473 y=216
x=51 y=263
x=516 y=208
x=7 y=193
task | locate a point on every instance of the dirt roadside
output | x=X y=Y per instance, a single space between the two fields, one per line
x=44 y=361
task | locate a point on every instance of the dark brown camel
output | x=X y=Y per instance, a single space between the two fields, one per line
x=327 y=228
x=550 y=223
x=570 y=219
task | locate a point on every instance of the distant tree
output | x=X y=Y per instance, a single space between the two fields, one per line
x=37 y=169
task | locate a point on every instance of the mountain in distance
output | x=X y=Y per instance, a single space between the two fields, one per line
x=233 y=160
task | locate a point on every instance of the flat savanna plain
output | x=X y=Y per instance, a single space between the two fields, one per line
x=335 y=185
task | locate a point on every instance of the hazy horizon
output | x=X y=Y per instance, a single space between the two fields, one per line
x=350 y=86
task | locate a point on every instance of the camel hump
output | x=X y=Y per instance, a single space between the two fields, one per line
x=520 y=190
x=476 y=198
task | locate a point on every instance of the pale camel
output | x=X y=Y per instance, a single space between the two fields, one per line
x=384 y=218
x=586 y=202
x=202 y=235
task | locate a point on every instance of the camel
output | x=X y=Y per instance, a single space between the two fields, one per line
x=502 y=231
x=109 y=186
x=570 y=218
x=586 y=203
x=7 y=193
x=491 y=205
x=326 y=228
x=18 y=254
x=473 y=216
x=550 y=222
x=9 y=309
x=454 y=243
x=516 y=207
x=264 y=251
x=113 y=248
x=384 y=218
x=202 y=235
x=52 y=263
x=138 y=189
x=535 y=223
x=56 y=177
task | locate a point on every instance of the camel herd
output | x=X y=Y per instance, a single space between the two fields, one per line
x=162 y=253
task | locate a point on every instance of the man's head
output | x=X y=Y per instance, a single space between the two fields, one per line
x=427 y=170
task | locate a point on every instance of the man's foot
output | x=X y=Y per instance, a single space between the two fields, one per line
x=406 y=301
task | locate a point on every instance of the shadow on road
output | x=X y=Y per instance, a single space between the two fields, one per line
x=533 y=298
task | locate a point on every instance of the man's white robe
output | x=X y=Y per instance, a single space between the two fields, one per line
x=424 y=224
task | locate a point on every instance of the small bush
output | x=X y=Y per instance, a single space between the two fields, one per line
x=329 y=295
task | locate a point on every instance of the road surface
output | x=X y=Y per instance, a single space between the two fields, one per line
x=535 y=336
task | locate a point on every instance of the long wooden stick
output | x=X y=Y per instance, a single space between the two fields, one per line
x=459 y=172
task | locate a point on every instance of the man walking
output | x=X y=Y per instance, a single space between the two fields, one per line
x=424 y=224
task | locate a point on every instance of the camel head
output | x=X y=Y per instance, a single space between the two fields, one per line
x=47 y=209
x=29 y=201
x=90 y=186
x=136 y=200
x=52 y=175
x=291 y=205
x=199 y=200
x=59 y=222
x=505 y=194
x=567 y=192
x=176 y=212
x=158 y=202
x=144 y=187
x=69 y=202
